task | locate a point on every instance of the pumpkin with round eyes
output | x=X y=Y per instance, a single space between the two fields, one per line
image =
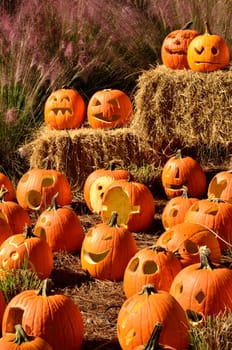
x=175 y=46
x=107 y=249
x=64 y=109
x=220 y=186
x=108 y=109
x=208 y=52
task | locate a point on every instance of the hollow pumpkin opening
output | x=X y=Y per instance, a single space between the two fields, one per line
x=14 y=316
x=150 y=267
x=95 y=258
x=97 y=191
x=216 y=188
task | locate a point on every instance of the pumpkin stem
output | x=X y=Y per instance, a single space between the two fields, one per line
x=178 y=154
x=207 y=30
x=184 y=191
x=187 y=25
x=158 y=248
x=53 y=204
x=46 y=287
x=20 y=335
x=148 y=289
x=3 y=191
x=153 y=342
x=113 y=219
x=113 y=163
x=205 y=262
x=28 y=231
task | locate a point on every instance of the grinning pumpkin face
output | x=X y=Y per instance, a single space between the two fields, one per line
x=208 y=52
x=175 y=46
x=64 y=109
x=109 y=109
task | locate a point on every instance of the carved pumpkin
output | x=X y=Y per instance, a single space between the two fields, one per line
x=139 y=313
x=152 y=264
x=4 y=180
x=181 y=171
x=134 y=203
x=175 y=46
x=204 y=287
x=24 y=250
x=220 y=186
x=16 y=216
x=214 y=214
x=96 y=183
x=107 y=249
x=186 y=238
x=61 y=226
x=108 y=109
x=208 y=52
x=53 y=317
x=22 y=341
x=175 y=209
x=36 y=188
x=64 y=109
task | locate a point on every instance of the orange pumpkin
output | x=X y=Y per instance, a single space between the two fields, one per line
x=22 y=341
x=64 y=109
x=204 y=288
x=208 y=52
x=5 y=229
x=61 y=226
x=134 y=203
x=181 y=171
x=4 y=180
x=220 y=186
x=107 y=249
x=186 y=238
x=108 y=109
x=152 y=264
x=175 y=46
x=54 y=317
x=36 y=188
x=139 y=313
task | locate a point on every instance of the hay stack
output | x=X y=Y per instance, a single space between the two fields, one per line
x=186 y=109
x=78 y=152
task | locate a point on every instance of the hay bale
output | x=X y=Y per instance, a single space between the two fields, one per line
x=78 y=152
x=186 y=109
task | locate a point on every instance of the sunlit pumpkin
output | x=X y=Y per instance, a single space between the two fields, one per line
x=208 y=52
x=107 y=249
x=181 y=171
x=220 y=186
x=5 y=180
x=64 y=109
x=108 y=109
x=36 y=188
x=175 y=46
x=139 y=313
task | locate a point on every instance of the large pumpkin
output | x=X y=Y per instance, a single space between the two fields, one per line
x=175 y=46
x=64 y=109
x=139 y=313
x=107 y=249
x=181 y=171
x=53 y=317
x=220 y=186
x=36 y=188
x=133 y=201
x=208 y=52
x=108 y=109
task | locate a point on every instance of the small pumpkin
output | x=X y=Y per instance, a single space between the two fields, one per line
x=208 y=52
x=150 y=265
x=204 y=287
x=36 y=188
x=5 y=180
x=22 y=341
x=133 y=201
x=51 y=316
x=108 y=109
x=61 y=226
x=220 y=186
x=181 y=171
x=152 y=306
x=107 y=249
x=175 y=46
x=64 y=109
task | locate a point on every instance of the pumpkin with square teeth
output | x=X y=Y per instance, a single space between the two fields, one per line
x=107 y=249
x=64 y=109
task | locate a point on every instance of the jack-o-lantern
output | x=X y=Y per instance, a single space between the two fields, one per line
x=36 y=188
x=64 y=109
x=208 y=52
x=108 y=109
x=220 y=186
x=181 y=171
x=107 y=249
x=175 y=46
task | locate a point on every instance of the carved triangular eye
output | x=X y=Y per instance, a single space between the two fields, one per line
x=199 y=51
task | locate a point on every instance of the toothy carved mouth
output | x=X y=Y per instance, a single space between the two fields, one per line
x=62 y=110
x=176 y=52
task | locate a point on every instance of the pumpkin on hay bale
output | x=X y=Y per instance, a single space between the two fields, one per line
x=78 y=152
x=188 y=110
